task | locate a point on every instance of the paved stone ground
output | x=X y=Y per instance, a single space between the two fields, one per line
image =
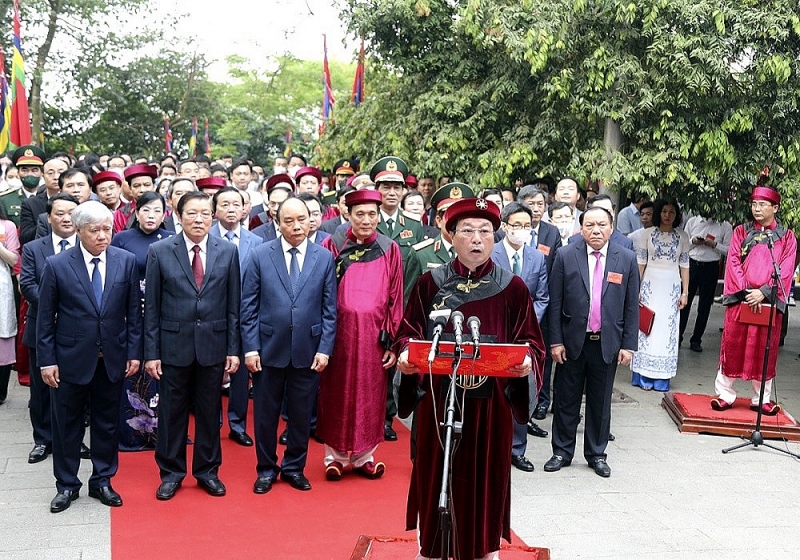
x=670 y=495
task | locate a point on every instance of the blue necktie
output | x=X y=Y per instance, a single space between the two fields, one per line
x=230 y=236
x=294 y=270
x=63 y=244
x=516 y=266
x=97 y=282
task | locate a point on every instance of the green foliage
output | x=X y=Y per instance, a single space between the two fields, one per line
x=704 y=93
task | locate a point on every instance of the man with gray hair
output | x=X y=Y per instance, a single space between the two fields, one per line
x=89 y=331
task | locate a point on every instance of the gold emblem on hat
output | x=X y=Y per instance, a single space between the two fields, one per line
x=455 y=192
x=345 y=164
x=481 y=204
x=28 y=152
x=391 y=165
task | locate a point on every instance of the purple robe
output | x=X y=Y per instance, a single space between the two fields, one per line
x=749 y=265
x=481 y=474
x=352 y=392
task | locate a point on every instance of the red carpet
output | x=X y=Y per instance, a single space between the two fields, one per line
x=284 y=523
x=405 y=548
x=693 y=413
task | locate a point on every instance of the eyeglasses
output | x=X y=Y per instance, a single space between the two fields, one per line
x=192 y=215
x=517 y=227
x=760 y=204
x=468 y=233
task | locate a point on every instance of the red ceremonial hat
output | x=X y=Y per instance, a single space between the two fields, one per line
x=106 y=176
x=141 y=170
x=211 y=183
x=276 y=180
x=411 y=182
x=766 y=193
x=472 y=208
x=364 y=196
x=308 y=171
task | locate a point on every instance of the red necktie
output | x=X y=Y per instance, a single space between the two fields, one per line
x=197 y=267
x=595 y=319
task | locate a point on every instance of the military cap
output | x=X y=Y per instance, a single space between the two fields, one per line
x=141 y=170
x=450 y=192
x=344 y=167
x=28 y=155
x=361 y=181
x=280 y=180
x=389 y=169
x=472 y=208
x=211 y=183
x=365 y=196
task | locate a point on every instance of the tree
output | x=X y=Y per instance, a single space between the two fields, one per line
x=703 y=93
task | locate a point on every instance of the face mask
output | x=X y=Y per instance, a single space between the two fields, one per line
x=519 y=237
x=30 y=181
x=564 y=230
x=278 y=169
x=293 y=170
x=14 y=183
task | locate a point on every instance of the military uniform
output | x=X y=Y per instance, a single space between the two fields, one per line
x=12 y=202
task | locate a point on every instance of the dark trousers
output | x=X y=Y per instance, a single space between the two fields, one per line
x=39 y=405
x=545 y=396
x=178 y=388
x=238 y=399
x=69 y=405
x=391 y=402
x=270 y=385
x=588 y=371
x=703 y=281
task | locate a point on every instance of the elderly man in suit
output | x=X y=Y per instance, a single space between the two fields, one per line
x=89 y=330
x=192 y=336
x=513 y=253
x=288 y=330
x=228 y=208
x=594 y=322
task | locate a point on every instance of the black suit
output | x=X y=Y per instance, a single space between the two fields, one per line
x=590 y=362
x=30 y=210
x=329 y=226
x=192 y=332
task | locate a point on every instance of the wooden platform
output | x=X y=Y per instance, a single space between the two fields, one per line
x=403 y=548
x=733 y=422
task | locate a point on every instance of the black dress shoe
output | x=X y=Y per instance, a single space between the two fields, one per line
x=284 y=437
x=388 y=432
x=166 y=491
x=555 y=463
x=263 y=484
x=86 y=453
x=106 y=495
x=39 y=453
x=695 y=347
x=213 y=486
x=241 y=438
x=601 y=468
x=63 y=500
x=296 y=480
x=536 y=431
x=522 y=463
x=540 y=413
x=611 y=437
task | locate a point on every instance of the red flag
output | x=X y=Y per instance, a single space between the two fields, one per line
x=328 y=100
x=193 y=139
x=207 y=141
x=167 y=137
x=20 y=115
x=358 y=83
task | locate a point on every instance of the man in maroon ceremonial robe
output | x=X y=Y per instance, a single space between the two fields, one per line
x=748 y=281
x=480 y=487
x=352 y=392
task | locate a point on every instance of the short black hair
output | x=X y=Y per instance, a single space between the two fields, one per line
x=194 y=195
x=299 y=156
x=512 y=208
x=610 y=217
x=224 y=190
x=648 y=204
x=71 y=172
x=239 y=162
x=599 y=197
x=558 y=205
x=148 y=197
x=59 y=196
x=659 y=205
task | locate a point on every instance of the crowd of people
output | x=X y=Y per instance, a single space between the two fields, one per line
x=137 y=292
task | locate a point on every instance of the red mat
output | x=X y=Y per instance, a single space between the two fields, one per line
x=394 y=548
x=285 y=523
x=693 y=413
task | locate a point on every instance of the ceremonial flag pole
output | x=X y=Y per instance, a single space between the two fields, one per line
x=358 y=83
x=167 y=137
x=328 y=101
x=207 y=141
x=5 y=106
x=20 y=134
x=288 y=140
x=193 y=139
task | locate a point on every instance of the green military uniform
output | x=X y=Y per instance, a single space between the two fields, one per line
x=407 y=232
x=12 y=201
x=24 y=156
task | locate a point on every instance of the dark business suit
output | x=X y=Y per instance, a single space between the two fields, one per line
x=329 y=226
x=169 y=223
x=30 y=210
x=192 y=332
x=592 y=363
x=534 y=273
x=287 y=328
x=238 y=397
x=616 y=237
x=267 y=231
x=91 y=345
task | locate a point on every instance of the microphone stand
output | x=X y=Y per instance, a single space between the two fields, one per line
x=452 y=431
x=756 y=438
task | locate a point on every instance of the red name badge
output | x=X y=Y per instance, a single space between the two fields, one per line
x=710 y=237
x=615 y=277
x=544 y=249
x=406 y=233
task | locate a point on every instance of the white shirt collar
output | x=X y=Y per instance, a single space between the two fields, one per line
x=285 y=246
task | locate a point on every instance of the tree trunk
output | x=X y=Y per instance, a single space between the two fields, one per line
x=612 y=138
x=35 y=101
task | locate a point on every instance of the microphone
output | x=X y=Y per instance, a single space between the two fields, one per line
x=458 y=327
x=474 y=324
x=439 y=319
x=769 y=239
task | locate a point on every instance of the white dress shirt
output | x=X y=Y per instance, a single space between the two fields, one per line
x=203 y=250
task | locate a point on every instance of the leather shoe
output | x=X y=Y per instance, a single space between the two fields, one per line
x=611 y=437
x=86 y=453
x=536 y=431
x=213 y=486
x=388 y=432
x=241 y=438
x=540 y=413
x=284 y=437
x=555 y=463
x=522 y=463
x=601 y=468
x=296 y=480
x=695 y=347
x=63 y=500
x=263 y=484
x=39 y=453
x=106 y=495
x=166 y=491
